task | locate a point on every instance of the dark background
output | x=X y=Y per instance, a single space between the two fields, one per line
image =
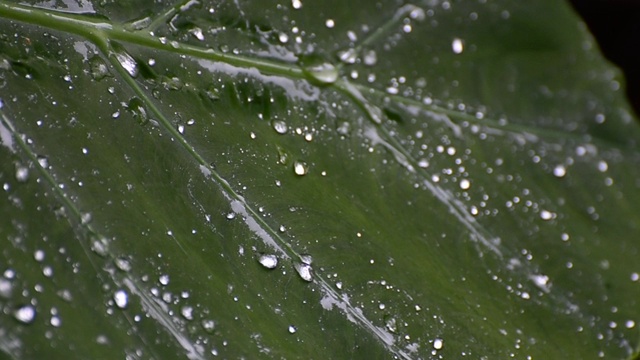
x=616 y=26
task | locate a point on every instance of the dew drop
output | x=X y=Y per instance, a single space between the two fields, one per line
x=292 y=329
x=296 y=4
x=98 y=68
x=465 y=184
x=280 y=126
x=121 y=299
x=300 y=168
x=25 y=314
x=330 y=23
x=304 y=270
x=269 y=261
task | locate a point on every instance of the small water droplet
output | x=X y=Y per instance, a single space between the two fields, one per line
x=123 y=264
x=98 y=68
x=22 y=173
x=330 y=23
x=547 y=215
x=300 y=168
x=559 y=171
x=208 y=325
x=25 y=314
x=344 y=128
x=348 y=56
x=280 y=126
x=269 y=261
x=164 y=279
x=231 y=216
x=304 y=270
x=292 y=329
x=370 y=58
x=121 y=299
x=296 y=4
x=457 y=45
x=391 y=324
x=465 y=184
x=423 y=163
x=100 y=247
x=187 y=312
x=438 y=344
x=306 y=259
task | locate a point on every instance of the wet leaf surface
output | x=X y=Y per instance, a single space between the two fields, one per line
x=297 y=179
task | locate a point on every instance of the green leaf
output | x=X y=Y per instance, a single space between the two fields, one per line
x=314 y=179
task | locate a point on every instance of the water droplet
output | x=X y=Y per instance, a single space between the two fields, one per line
x=306 y=259
x=123 y=264
x=344 y=128
x=164 y=279
x=22 y=173
x=603 y=166
x=231 y=216
x=423 y=163
x=208 y=325
x=465 y=184
x=269 y=261
x=121 y=299
x=98 y=68
x=318 y=70
x=348 y=56
x=300 y=168
x=304 y=270
x=438 y=344
x=547 y=215
x=330 y=23
x=292 y=329
x=25 y=314
x=296 y=4
x=187 y=312
x=280 y=126
x=559 y=171
x=138 y=110
x=128 y=62
x=100 y=247
x=370 y=58
x=391 y=324
x=457 y=46
x=6 y=288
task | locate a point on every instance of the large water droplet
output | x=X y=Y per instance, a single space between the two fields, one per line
x=438 y=344
x=269 y=261
x=370 y=58
x=457 y=46
x=25 y=314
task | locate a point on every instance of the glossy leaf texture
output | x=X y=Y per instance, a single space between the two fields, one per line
x=268 y=179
